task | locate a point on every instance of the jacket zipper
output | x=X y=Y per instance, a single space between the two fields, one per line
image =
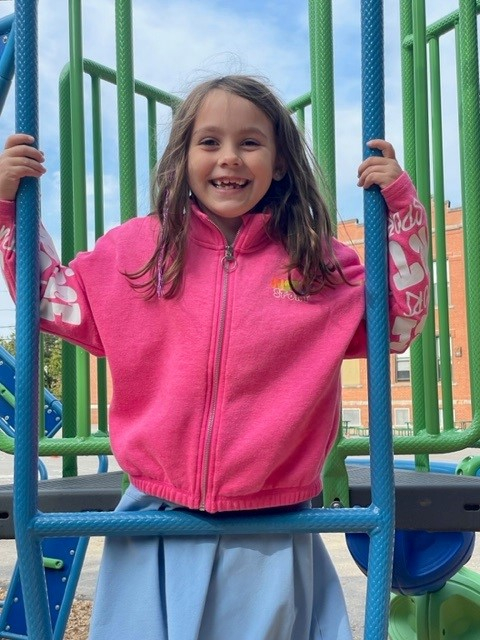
x=229 y=264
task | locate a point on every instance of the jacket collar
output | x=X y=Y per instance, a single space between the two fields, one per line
x=251 y=235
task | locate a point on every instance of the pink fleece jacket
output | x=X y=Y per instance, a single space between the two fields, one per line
x=226 y=397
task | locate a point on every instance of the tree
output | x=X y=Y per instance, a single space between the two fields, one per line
x=8 y=343
x=52 y=364
x=52 y=360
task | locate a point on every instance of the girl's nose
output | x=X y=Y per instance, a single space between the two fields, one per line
x=229 y=156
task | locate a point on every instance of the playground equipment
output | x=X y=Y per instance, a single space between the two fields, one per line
x=31 y=526
x=452 y=612
x=52 y=407
x=423 y=561
x=375 y=514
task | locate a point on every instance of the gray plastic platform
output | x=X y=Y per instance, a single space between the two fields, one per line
x=424 y=501
x=90 y=492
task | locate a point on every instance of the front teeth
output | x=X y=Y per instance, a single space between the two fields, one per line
x=233 y=184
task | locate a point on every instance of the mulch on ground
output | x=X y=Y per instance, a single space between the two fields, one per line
x=78 y=622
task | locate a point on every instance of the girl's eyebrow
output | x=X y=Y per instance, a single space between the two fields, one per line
x=211 y=130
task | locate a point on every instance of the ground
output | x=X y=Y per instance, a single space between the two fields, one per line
x=78 y=622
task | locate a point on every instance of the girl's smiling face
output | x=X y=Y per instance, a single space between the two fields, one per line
x=232 y=158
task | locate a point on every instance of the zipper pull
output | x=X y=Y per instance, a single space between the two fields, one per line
x=229 y=261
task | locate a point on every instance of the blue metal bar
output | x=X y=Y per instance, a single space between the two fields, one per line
x=26 y=392
x=381 y=443
x=7 y=60
x=184 y=522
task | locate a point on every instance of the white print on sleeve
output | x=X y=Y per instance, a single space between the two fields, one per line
x=402 y=327
x=408 y=277
x=6 y=242
x=59 y=298
x=406 y=222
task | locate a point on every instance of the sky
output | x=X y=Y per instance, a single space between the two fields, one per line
x=178 y=43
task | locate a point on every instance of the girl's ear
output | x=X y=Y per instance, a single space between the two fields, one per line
x=280 y=170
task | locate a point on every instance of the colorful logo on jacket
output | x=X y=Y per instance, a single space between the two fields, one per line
x=282 y=289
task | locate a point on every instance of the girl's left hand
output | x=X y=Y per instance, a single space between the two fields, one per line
x=381 y=170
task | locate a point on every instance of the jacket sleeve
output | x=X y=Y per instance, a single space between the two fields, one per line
x=409 y=278
x=64 y=306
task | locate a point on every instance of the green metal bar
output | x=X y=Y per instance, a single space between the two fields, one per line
x=301 y=102
x=301 y=119
x=7 y=395
x=69 y=351
x=423 y=187
x=420 y=443
x=91 y=445
x=469 y=110
x=323 y=137
x=98 y=196
x=98 y=193
x=323 y=108
x=440 y=235
x=126 y=109
x=52 y=563
x=440 y=27
x=459 y=103
x=152 y=133
x=79 y=194
x=146 y=90
x=409 y=128
x=152 y=144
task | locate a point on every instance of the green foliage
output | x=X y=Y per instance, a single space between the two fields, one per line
x=52 y=360
x=52 y=364
x=8 y=343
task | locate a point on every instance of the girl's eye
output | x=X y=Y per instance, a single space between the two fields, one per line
x=208 y=142
x=250 y=143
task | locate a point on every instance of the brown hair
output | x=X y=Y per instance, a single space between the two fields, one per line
x=299 y=216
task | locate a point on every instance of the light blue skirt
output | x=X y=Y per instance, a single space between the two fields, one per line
x=245 y=587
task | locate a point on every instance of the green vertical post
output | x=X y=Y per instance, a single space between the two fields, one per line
x=152 y=133
x=79 y=194
x=323 y=134
x=432 y=423
x=409 y=141
x=323 y=119
x=152 y=143
x=301 y=119
x=469 y=111
x=126 y=108
x=440 y=235
x=69 y=351
x=99 y=231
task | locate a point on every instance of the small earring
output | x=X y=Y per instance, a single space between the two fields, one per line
x=278 y=175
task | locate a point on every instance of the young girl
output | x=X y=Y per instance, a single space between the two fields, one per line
x=225 y=316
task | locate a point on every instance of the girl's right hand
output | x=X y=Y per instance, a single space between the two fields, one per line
x=18 y=160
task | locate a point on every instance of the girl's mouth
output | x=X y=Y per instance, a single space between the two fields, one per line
x=229 y=183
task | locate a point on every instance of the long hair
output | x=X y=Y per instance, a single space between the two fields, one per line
x=299 y=216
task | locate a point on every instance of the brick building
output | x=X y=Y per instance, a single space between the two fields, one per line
x=354 y=373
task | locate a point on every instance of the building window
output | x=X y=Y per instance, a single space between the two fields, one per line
x=402 y=367
x=402 y=417
x=351 y=417
x=351 y=373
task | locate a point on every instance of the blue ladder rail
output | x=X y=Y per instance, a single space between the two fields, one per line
x=31 y=526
